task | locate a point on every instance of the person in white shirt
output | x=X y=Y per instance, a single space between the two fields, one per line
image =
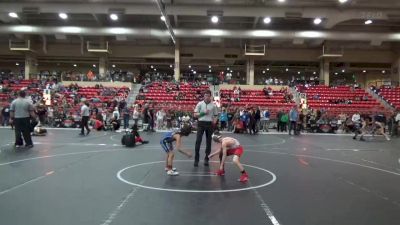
x=85 y=113
x=135 y=115
x=397 y=118
x=116 y=113
x=356 y=118
x=396 y=124
x=160 y=119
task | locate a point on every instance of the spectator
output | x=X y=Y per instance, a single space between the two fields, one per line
x=160 y=115
x=252 y=121
x=223 y=118
x=258 y=118
x=5 y=113
x=135 y=115
x=126 y=116
x=284 y=121
x=265 y=118
x=293 y=117
x=116 y=113
x=50 y=116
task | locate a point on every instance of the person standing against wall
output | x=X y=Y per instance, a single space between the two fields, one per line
x=206 y=112
x=21 y=111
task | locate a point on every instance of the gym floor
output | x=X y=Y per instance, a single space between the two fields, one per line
x=294 y=180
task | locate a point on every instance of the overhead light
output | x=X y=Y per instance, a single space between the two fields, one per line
x=336 y=73
x=364 y=71
x=343 y=71
x=94 y=65
x=155 y=69
x=311 y=34
x=75 y=65
x=383 y=71
x=298 y=72
x=152 y=66
x=367 y=22
x=267 y=69
x=317 y=21
x=209 y=71
x=113 y=66
x=118 y=30
x=264 y=33
x=214 y=19
x=194 y=72
x=162 y=18
x=170 y=66
x=227 y=68
x=209 y=67
x=231 y=71
x=13 y=15
x=17 y=64
x=63 y=16
x=190 y=66
x=70 y=29
x=287 y=69
x=281 y=1
x=263 y=71
x=267 y=20
x=343 y=1
x=114 y=16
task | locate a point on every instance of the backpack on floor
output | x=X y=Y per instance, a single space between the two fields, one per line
x=128 y=140
x=39 y=131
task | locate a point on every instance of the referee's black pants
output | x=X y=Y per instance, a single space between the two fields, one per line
x=203 y=126
x=23 y=129
x=84 y=123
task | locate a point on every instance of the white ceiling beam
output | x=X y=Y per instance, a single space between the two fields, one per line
x=203 y=33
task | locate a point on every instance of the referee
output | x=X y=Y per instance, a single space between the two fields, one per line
x=21 y=111
x=206 y=112
x=85 y=113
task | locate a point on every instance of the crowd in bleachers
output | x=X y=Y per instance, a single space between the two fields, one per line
x=388 y=93
x=164 y=105
x=64 y=108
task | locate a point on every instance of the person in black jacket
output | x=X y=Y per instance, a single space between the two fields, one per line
x=258 y=118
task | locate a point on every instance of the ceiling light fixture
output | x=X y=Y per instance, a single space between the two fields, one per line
x=267 y=20
x=13 y=15
x=317 y=21
x=367 y=22
x=114 y=16
x=214 y=19
x=63 y=16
